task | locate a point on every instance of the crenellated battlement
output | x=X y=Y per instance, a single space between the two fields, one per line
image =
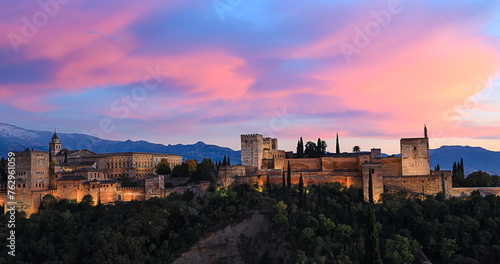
x=249 y=136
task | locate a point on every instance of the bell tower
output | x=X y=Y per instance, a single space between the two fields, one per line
x=55 y=144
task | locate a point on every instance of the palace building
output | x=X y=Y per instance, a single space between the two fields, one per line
x=72 y=174
x=410 y=171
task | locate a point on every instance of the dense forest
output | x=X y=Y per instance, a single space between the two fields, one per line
x=321 y=224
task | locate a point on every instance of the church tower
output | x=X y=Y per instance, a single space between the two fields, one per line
x=55 y=145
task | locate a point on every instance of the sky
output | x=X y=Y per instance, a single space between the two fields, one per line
x=183 y=71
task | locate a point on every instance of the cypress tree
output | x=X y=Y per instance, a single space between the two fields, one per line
x=438 y=168
x=462 y=167
x=370 y=187
x=268 y=185
x=224 y=161
x=372 y=253
x=228 y=161
x=65 y=155
x=338 y=146
x=300 y=148
x=50 y=156
x=284 y=184
x=318 y=148
x=454 y=170
x=289 y=177
x=301 y=191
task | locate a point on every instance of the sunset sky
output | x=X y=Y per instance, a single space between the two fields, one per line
x=182 y=71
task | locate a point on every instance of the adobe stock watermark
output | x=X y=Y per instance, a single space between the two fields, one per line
x=128 y=101
x=32 y=25
x=280 y=121
x=224 y=6
x=458 y=114
x=364 y=36
x=11 y=203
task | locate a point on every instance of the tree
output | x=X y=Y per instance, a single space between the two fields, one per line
x=126 y=181
x=300 y=148
x=356 y=149
x=438 y=168
x=337 y=150
x=192 y=164
x=370 y=186
x=87 y=200
x=398 y=250
x=311 y=149
x=228 y=161
x=181 y=171
x=462 y=171
x=163 y=168
x=65 y=155
x=289 y=177
x=205 y=171
x=3 y=170
x=301 y=191
x=48 y=201
x=284 y=183
x=495 y=181
x=268 y=184
x=372 y=252
x=224 y=161
x=478 y=179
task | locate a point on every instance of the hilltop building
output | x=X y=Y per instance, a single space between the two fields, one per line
x=411 y=172
x=76 y=173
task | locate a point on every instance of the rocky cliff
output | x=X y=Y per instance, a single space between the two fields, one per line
x=251 y=241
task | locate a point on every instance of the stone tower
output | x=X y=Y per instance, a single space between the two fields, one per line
x=252 y=150
x=415 y=156
x=54 y=145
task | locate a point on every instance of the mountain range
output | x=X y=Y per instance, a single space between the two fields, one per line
x=13 y=138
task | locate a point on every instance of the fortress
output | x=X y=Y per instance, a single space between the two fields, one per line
x=72 y=174
x=409 y=172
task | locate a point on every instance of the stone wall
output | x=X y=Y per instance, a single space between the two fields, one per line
x=391 y=166
x=424 y=184
x=415 y=156
x=304 y=164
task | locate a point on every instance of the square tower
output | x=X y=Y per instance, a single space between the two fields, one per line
x=415 y=156
x=252 y=150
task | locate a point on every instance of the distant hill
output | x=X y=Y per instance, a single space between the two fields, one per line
x=475 y=158
x=13 y=138
x=16 y=138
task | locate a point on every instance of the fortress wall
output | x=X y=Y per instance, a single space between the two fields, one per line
x=303 y=164
x=428 y=185
x=327 y=164
x=391 y=166
x=309 y=178
x=345 y=163
x=466 y=191
x=131 y=193
x=68 y=189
